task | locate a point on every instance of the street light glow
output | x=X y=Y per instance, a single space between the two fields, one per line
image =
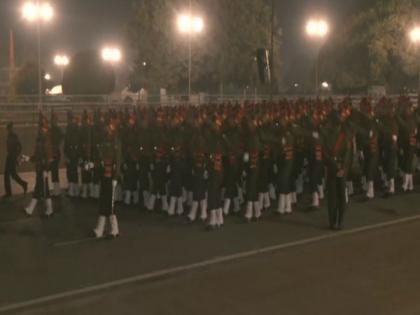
x=30 y=11
x=37 y=12
x=61 y=60
x=190 y=24
x=47 y=77
x=325 y=85
x=111 y=54
x=317 y=28
x=415 y=35
x=198 y=24
x=46 y=12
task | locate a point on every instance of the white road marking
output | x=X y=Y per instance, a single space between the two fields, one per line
x=205 y=263
x=75 y=242
x=33 y=218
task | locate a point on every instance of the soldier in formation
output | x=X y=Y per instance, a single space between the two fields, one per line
x=213 y=161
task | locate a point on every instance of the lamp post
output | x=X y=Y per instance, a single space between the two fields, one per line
x=113 y=56
x=190 y=24
x=415 y=39
x=61 y=61
x=37 y=12
x=317 y=29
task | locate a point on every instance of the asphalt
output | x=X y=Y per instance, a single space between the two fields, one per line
x=161 y=265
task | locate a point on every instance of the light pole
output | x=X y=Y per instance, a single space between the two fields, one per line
x=113 y=56
x=190 y=24
x=415 y=39
x=61 y=61
x=37 y=12
x=317 y=29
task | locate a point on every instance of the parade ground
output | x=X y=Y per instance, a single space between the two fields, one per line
x=160 y=265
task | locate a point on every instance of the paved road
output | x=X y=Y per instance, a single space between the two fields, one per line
x=373 y=270
x=368 y=273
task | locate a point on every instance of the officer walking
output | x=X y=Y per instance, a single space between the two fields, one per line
x=14 y=149
x=337 y=155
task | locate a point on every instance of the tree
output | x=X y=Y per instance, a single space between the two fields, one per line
x=372 y=48
x=87 y=74
x=222 y=56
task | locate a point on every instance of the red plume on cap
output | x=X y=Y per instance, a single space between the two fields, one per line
x=43 y=122
x=54 y=117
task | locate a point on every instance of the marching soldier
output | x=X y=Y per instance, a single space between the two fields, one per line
x=215 y=172
x=198 y=149
x=371 y=148
x=408 y=143
x=56 y=141
x=251 y=158
x=98 y=135
x=389 y=130
x=144 y=156
x=130 y=164
x=110 y=153
x=158 y=167
x=285 y=164
x=265 y=131
x=231 y=163
x=42 y=158
x=315 y=160
x=86 y=164
x=176 y=166
x=72 y=153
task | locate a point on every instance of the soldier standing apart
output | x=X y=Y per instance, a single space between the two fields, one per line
x=337 y=157
x=14 y=149
x=42 y=158
x=110 y=153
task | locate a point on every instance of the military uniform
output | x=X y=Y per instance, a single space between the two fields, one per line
x=130 y=167
x=252 y=164
x=214 y=164
x=159 y=164
x=337 y=152
x=198 y=149
x=144 y=156
x=285 y=170
x=232 y=165
x=72 y=153
x=110 y=155
x=408 y=145
x=86 y=164
x=42 y=158
x=177 y=160
x=56 y=141
x=98 y=135
x=389 y=130
x=14 y=149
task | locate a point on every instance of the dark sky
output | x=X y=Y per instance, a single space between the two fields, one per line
x=83 y=24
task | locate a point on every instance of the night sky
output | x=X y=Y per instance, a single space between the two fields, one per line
x=81 y=24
